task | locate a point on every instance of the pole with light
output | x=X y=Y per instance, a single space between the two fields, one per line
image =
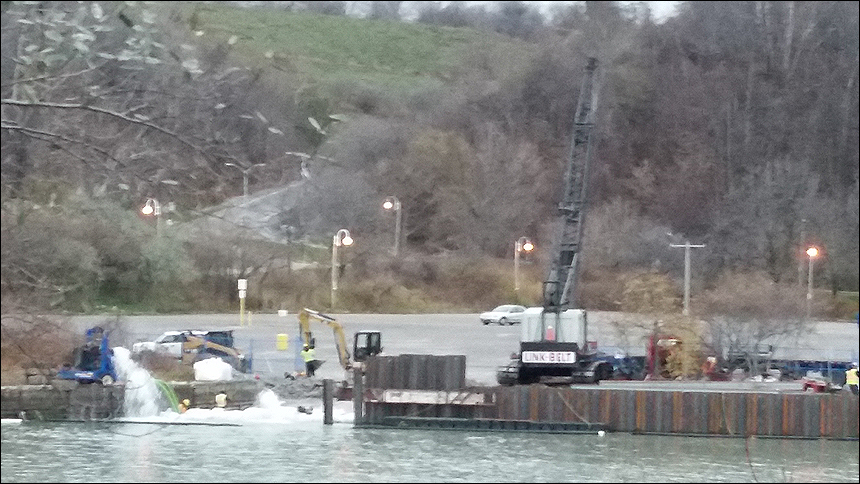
x=812 y=252
x=522 y=244
x=153 y=208
x=342 y=237
x=245 y=172
x=686 y=247
x=392 y=203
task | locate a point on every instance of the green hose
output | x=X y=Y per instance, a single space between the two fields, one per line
x=168 y=392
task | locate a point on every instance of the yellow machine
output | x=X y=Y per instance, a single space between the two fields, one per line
x=214 y=343
x=365 y=343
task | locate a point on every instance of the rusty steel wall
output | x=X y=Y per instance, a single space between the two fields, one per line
x=635 y=410
x=416 y=372
x=809 y=415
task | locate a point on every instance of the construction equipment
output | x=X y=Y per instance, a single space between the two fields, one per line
x=553 y=343
x=201 y=345
x=659 y=351
x=93 y=360
x=365 y=343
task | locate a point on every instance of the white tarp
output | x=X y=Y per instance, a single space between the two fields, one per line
x=212 y=369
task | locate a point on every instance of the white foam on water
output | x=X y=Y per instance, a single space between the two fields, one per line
x=269 y=408
x=144 y=402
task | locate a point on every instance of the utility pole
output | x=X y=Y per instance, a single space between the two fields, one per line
x=802 y=244
x=687 y=246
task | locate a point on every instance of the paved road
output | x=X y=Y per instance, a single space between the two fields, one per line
x=485 y=347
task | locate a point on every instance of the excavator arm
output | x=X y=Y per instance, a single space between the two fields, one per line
x=306 y=315
x=194 y=345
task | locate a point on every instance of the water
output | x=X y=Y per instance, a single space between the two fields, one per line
x=274 y=442
x=142 y=397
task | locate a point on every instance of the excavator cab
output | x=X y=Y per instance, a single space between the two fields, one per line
x=366 y=343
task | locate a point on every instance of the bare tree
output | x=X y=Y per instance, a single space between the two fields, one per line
x=747 y=310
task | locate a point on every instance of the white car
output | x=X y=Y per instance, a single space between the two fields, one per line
x=504 y=314
x=169 y=342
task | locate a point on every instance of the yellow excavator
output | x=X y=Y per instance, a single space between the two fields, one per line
x=365 y=343
x=200 y=345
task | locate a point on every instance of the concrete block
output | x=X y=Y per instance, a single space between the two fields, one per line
x=37 y=379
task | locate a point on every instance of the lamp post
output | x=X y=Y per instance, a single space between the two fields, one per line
x=812 y=252
x=342 y=237
x=153 y=208
x=800 y=259
x=686 y=247
x=522 y=244
x=245 y=172
x=392 y=203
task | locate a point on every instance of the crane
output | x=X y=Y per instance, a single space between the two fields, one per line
x=553 y=340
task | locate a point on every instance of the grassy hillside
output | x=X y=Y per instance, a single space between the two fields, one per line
x=330 y=49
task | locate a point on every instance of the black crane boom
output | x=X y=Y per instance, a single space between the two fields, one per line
x=559 y=291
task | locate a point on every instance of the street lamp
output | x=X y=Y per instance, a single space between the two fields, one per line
x=522 y=244
x=392 y=203
x=812 y=252
x=245 y=172
x=153 y=208
x=686 y=247
x=342 y=237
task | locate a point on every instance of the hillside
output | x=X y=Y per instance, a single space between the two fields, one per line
x=716 y=127
x=330 y=49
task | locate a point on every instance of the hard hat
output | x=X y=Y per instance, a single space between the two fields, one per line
x=186 y=402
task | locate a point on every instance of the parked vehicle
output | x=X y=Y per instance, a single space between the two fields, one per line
x=504 y=314
x=169 y=342
x=191 y=346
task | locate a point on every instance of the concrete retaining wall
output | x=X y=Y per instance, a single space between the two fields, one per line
x=69 y=400
x=65 y=400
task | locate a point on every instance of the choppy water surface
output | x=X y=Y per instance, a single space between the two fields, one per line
x=280 y=444
x=274 y=442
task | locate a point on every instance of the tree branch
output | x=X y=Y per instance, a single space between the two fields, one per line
x=40 y=104
x=52 y=76
x=38 y=134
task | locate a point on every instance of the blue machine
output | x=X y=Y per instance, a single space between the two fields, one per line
x=93 y=360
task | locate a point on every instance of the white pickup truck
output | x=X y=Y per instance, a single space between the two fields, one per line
x=169 y=342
